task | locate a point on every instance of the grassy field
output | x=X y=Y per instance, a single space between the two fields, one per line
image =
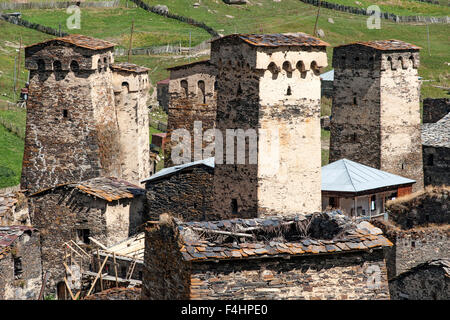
x=11 y=153
x=400 y=7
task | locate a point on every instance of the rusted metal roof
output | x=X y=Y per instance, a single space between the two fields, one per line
x=261 y=238
x=130 y=67
x=278 y=39
x=385 y=45
x=9 y=234
x=80 y=40
x=106 y=188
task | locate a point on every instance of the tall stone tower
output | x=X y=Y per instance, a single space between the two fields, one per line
x=376 y=107
x=192 y=106
x=268 y=84
x=72 y=131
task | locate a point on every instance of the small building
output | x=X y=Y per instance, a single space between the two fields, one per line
x=184 y=190
x=108 y=210
x=436 y=152
x=427 y=281
x=20 y=263
x=359 y=190
x=326 y=81
x=314 y=256
x=162 y=94
x=419 y=228
x=159 y=140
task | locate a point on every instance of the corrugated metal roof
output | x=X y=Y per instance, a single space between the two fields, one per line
x=327 y=76
x=384 y=45
x=172 y=170
x=278 y=39
x=348 y=176
x=80 y=40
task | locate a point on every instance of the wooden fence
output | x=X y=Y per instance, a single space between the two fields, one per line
x=57 y=5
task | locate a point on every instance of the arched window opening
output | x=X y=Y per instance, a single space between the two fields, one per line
x=74 y=66
x=411 y=61
x=289 y=91
x=273 y=68
x=300 y=66
x=234 y=206
x=287 y=66
x=201 y=88
x=99 y=65
x=57 y=66
x=184 y=86
x=105 y=63
x=401 y=63
x=315 y=68
x=390 y=63
x=125 y=86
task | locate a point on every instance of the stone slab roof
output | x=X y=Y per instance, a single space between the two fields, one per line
x=437 y=134
x=106 y=188
x=384 y=45
x=349 y=176
x=188 y=65
x=437 y=263
x=116 y=294
x=7 y=203
x=278 y=39
x=79 y=40
x=277 y=236
x=130 y=67
x=172 y=170
x=9 y=234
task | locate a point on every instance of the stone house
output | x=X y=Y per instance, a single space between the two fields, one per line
x=419 y=228
x=106 y=209
x=268 y=94
x=359 y=190
x=162 y=94
x=84 y=114
x=426 y=281
x=317 y=256
x=192 y=107
x=20 y=263
x=376 y=107
x=184 y=190
x=436 y=152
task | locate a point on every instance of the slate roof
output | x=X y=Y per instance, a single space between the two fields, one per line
x=351 y=237
x=349 y=176
x=79 y=40
x=7 y=203
x=9 y=234
x=384 y=45
x=439 y=263
x=188 y=65
x=175 y=169
x=278 y=39
x=437 y=134
x=130 y=67
x=106 y=188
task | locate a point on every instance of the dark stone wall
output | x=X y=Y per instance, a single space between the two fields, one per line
x=166 y=275
x=187 y=195
x=436 y=165
x=26 y=286
x=435 y=109
x=340 y=276
x=427 y=283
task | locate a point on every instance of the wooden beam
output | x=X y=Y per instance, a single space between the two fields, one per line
x=237 y=234
x=115 y=268
x=41 y=293
x=98 y=243
x=98 y=275
x=68 y=288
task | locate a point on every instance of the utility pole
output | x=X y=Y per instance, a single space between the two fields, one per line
x=428 y=38
x=131 y=40
x=189 y=46
x=18 y=64
x=14 y=85
x=317 y=18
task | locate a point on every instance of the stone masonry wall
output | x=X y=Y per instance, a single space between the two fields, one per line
x=166 y=275
x=312 y=278
x=199 y=104
x=435 y=109
x=71 y=132
x=187 y=195
x=28 y=284
x=437 y=172
x=430 y=283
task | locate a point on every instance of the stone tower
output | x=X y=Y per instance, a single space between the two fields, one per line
x=192 y=105
x=268 y=84
x=72 y=130
x=376 y=107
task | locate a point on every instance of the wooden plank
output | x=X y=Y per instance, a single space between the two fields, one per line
x=87 y=254
x=68 y=288
x=98 y=275
x=115 y=269
x=237 y=234
x=98 y=243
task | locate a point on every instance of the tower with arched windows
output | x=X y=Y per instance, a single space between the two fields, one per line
x=73 y=131
x=268 y=108
x=376 y=107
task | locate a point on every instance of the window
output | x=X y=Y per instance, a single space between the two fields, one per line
x=373 y=203
x=57 y=66
x=239 y=90
x=354 y=137
x=390 y=63
x=123 y=272
x=315 y=68
x=332 y=202
x=65 y=113
x=403 y=166
x=99 y=65
x=83 y=236
x=201 y=88
x=411 y=61
x=234 y=206
x=18 y=268
x=184 y=86
x=216 y=85
x=74 y=66
x=430 y=160
x=355 y=101
x=41 y=65
x=105 y=63
x=289 y=91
